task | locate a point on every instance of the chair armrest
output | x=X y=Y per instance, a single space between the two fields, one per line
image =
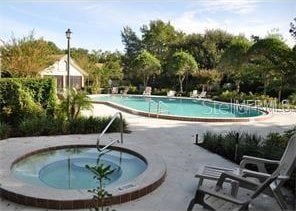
x=221 y=196
x=259 y=162
x=242 y=180
x=256 y=174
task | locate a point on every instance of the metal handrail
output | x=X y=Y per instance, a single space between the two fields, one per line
x=106 y=128
x=149 y=108
x=159 y=106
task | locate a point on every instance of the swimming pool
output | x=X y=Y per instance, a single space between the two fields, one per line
x=66 y=168
x=181 y=108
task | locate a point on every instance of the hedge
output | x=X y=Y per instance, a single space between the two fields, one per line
x=271 y=147
x=23 y=97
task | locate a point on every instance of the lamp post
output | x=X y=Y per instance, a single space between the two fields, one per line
x=68 y=36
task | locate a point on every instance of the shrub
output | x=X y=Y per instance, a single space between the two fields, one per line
x=272 y=147
x=72 y=105
x=84 y=125
x=160 y=91
x=234 y=96
x=56 y=126
x=292 y=98
x=20 y=98
x=4 y=130
x=44 y=125
x=225 y=144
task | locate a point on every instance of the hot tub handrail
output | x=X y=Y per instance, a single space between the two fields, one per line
x=106 y=128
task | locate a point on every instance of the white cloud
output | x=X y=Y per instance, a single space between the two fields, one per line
x=234 y=6
x=190 y=23
x=20 y=30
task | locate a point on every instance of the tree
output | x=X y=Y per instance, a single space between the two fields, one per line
x=207 y=49
x=233 y=60
x=157 y=37
x=293 y=29
x=74 y=103
x=146 y=65
x=132 y=45
x=182 y=64
x=208 y=78
x=27 y=56
x=270 y=55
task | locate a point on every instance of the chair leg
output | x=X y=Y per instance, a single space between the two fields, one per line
x=279 y=198
x=191 y=205
x=198 y=199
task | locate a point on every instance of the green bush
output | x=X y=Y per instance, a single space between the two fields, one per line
x=234 y=96
x=272 y=147
x=45 y=125
x=292 y=99
x=160 y=91
x=84 y=125
x=4 y=130
x=41 y=126
x=22 y=98
x=225 y=144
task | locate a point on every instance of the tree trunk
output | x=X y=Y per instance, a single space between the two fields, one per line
x=237 y=85
x=145 y=80
x=264 y=84
x=281 y=88
x=181 y=79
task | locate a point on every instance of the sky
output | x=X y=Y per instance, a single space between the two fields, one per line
x=98 y=24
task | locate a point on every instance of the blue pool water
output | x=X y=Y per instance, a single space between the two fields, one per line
x=182 y=106
x=65 y=168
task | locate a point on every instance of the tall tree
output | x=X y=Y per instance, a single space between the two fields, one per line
x=132 y=46
x=293 y=29
x=270 y=55
x=157 y=37
x=27 y=56
x=233 y=60
x=182 y=64
x=146 y=65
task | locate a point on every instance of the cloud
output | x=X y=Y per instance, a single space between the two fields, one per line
x=19 y=30
x=190 y=23
x=234 y=6
x=194 y=22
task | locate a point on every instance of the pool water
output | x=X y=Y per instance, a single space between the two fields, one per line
x=65 y=168
x=181 y=106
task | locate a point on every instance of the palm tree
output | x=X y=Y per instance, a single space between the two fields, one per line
x=75 y=102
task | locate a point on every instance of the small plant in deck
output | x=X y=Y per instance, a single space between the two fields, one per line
x=101 y=173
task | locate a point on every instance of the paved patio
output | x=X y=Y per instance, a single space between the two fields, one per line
x=174 y=141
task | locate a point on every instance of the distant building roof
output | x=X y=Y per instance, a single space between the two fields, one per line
x=57 y=58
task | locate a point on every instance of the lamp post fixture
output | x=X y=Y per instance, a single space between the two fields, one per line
x=68 y=36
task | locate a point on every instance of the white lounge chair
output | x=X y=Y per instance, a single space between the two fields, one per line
x=285 y=169
x=194 y=93
x=171 y=93
x=114 y=90
x=202 y=94
x=125 y=90
x=147 y=90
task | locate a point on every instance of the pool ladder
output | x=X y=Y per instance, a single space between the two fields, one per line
x=106 y=128
x=159 y=109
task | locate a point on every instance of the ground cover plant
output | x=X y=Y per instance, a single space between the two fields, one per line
x=270 y=147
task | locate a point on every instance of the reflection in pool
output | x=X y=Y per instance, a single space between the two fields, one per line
x=65 y=168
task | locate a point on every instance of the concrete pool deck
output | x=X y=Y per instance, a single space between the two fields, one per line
x=174 y=142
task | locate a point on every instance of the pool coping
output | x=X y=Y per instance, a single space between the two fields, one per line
x=262 y=117
x=51 y=198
